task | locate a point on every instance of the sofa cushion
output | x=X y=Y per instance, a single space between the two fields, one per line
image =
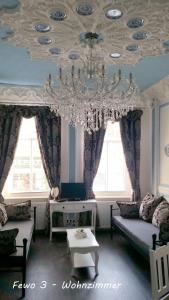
x=3 y=214
x=25 y=231
x=139 y=231
x=148 y=206
x=8 y=241
x=164 y=232
x=19 y=211
x=129 y=209
x=161 y=214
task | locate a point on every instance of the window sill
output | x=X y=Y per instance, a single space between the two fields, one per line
x=103 y=199
x=36 y=198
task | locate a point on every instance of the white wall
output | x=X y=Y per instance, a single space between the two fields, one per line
x=159 y=93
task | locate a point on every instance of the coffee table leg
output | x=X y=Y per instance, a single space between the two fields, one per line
x=72 y=259
x=96 y=262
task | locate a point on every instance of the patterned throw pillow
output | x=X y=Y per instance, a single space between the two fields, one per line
x=19 y=211
x=164 y=232
x=129 y=210
x=148 y=206
x=3 y=214
x=161 y=214
x=8 y=241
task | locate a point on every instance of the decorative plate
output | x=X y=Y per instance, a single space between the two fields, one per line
x=84 y=9
x=58 y=15
x=135 y=23
x=55 y=51
x=115 y=55
x=44 y=40
x=132 y=47
x=113 y=14
x=140 y=35
x=42 y=27
x=80 y=234
x=74 y=55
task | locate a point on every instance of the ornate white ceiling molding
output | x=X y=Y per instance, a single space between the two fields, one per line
x=117 y=35
x=29 y=95
x=21 y=95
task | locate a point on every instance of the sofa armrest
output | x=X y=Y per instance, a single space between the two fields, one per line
x=34 y=226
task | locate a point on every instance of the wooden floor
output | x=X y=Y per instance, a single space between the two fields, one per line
x=119 y=265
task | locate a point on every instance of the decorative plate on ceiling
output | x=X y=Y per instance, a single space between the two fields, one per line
x=117 y=23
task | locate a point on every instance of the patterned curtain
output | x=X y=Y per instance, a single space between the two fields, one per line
x=130 y=127
x=10 y=121
x=93 y=144
x=48 y=127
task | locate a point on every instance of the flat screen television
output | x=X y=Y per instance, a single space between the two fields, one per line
x=73 y=191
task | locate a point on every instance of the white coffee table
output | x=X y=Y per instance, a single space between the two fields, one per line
x=84 y=252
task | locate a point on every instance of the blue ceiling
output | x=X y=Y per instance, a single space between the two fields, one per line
x=17 y=67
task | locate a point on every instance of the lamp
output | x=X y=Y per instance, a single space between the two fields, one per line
x=87 y=94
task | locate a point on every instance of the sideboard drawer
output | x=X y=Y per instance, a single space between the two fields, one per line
x=72 y=207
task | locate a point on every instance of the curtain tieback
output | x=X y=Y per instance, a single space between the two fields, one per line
x=54 y=192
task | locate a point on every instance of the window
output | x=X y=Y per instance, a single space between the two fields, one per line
x=27 y=174
x=112 y=177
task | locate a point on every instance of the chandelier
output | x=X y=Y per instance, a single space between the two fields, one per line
x=86 y=93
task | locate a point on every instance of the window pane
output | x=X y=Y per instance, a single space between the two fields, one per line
x=115 y=170
x=27 y=173
x=21 y=182
x=112 y=173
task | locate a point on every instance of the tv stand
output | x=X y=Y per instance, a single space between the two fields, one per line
x=72 y=207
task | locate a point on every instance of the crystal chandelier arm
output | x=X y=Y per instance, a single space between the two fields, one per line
x=130 y=87
x=114 y=83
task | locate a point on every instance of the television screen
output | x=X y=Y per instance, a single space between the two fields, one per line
x=73 y=191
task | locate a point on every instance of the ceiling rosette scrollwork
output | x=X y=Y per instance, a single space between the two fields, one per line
x=138 y=28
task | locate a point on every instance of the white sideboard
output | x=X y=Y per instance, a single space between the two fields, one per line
x=72 y=207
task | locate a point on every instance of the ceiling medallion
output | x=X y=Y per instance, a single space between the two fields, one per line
x=166 y=44
x=55 y=51
x=66 y=25
x=132 y=47
x=58 y=15
x=135 y=23
x=140 y=35
x=113 y=14
x=115 y=55
x=44 y=40
x=87 y=94
x=42 y=27
x=84 y=9
x=74 y=55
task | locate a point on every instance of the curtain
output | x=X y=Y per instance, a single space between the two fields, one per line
x=48 y=127
x=130 y=128
x=93 y=144
x=10 y=121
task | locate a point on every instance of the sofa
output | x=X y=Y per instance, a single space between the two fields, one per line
x=138 y=232
x=145 y=224
x=16 y=262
